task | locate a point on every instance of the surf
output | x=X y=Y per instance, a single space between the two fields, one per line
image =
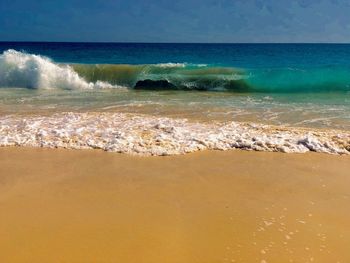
x=24 y=70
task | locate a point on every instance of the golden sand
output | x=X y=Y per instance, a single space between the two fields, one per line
x=235 y=206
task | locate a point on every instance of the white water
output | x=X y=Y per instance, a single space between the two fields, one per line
x=149 y=135
x=171 y=65
x=22 y=70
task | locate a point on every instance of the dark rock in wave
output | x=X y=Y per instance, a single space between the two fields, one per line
x=149 y=84
x=194 y=85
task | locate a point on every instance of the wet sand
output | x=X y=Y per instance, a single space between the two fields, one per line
x=234 y=206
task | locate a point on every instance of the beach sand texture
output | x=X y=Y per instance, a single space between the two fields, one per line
x=234 y=206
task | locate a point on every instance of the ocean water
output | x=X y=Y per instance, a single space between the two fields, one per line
x=274 y=97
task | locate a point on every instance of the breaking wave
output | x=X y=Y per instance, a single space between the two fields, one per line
x=178 y=76
x=23 y=70
x=19 y=69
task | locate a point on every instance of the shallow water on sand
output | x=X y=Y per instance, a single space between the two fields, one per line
x=322 y=110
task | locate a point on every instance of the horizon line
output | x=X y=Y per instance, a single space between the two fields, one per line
x=136 y=42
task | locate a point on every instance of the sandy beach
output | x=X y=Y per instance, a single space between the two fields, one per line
x=234 y=206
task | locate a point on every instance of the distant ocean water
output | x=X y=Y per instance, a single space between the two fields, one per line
x=289 y=85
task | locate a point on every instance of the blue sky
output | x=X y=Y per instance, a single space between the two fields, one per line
x=176 y=20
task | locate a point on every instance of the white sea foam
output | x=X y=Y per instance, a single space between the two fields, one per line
x=19 y=69
x=179 y=65
x=171 y=65
x=148 y=135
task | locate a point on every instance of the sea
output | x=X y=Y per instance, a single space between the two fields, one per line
x=165 y=98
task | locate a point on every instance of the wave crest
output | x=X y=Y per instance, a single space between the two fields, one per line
x=19 y=69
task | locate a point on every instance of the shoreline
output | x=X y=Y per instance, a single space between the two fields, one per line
x=61 y=205
x=154 y=135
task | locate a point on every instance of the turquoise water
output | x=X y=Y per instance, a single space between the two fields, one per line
x=263 y=67
x=288 y=84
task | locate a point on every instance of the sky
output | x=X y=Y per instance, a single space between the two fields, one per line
x=221 y=21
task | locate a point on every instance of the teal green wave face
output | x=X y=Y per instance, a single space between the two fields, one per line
x=180 y=76
x=204 y=77
x=125 y=75
x=300 y=80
